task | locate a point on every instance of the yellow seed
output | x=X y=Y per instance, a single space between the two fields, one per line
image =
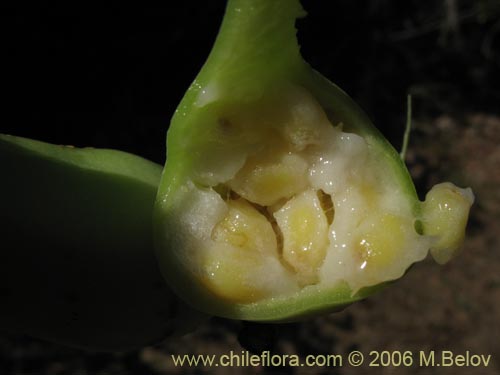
x=242 y=240
x=246 y=228
x=304 y=122
x=381 y=241
x=305 y=235
x=265 y=180
x=444 y=215
x=230 y=274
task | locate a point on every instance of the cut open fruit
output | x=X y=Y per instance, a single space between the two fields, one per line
x=279 y=198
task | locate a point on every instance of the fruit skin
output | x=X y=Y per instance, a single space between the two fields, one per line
x=76 y=256
x=255 y=55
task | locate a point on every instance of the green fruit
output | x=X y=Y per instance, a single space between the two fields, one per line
x=279 y=198
x=76 y=258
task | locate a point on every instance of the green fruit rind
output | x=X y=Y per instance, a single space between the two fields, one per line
x=255 y=59
x=110 y=162
x=77 y=262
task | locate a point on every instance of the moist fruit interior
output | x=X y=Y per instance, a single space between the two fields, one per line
x=280 y=199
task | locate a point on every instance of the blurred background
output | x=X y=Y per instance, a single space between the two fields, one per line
x=113 y=77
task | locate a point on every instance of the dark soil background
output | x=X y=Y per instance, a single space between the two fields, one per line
x=113 y=77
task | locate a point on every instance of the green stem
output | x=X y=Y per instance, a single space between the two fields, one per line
x=257 y=42
x=406 y=136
